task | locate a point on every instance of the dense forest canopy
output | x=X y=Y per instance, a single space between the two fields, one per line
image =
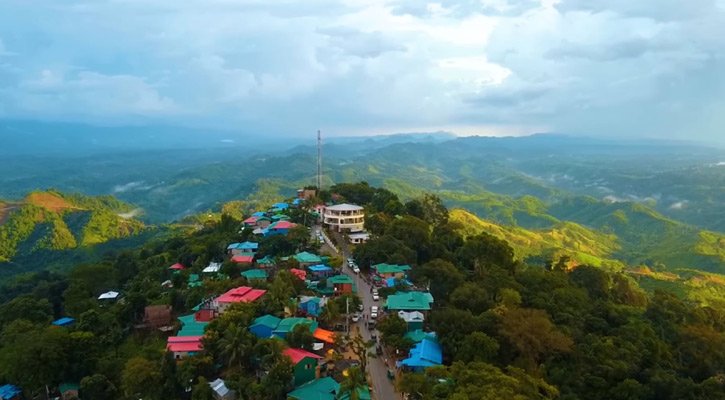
x=508 y=329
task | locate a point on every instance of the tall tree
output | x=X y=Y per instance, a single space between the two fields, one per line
x=202 y=390
x=141 y=377
x=353 y=384
x=360 y=347
x=235 y=346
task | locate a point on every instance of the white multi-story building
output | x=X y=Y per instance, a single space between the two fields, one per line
x=344 y=217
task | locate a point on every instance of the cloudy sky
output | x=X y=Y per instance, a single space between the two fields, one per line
x=651 y=68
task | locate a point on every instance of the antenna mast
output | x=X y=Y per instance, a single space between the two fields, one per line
x=319 y=162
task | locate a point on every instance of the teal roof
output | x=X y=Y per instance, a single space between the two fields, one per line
x=267 y=320
x=320 y=389
x=266 y=260
x=255 y=274
x=288 y=324
x=410 y=301
x=306 y=257
x=64 y=387
x=418 y=336
x=193 y=277
x=190 y=327
x=390 y=268
x=342 y=278
x=194 y=284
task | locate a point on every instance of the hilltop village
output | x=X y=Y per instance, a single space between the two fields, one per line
x=349 y=293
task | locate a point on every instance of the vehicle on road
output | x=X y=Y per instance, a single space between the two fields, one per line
x=374 y=336
x=371 y=324
x=355 y=269
x=373 y=312
x=391 y=374
x=355 y=317
x=378 y=350
x=376 y=297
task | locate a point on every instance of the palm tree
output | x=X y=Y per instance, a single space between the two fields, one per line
x=270 y=351
x=235 y=345
x=353 y=383
x=330 y=313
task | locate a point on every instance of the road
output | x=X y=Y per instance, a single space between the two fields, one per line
x=383 y=387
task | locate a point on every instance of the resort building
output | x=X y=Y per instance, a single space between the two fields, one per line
x=344 y=217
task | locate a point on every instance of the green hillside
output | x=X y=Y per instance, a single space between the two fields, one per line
x=56 y=221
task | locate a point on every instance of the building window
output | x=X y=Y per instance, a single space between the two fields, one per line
x=308 y=366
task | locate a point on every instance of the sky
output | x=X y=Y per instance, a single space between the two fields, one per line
x=624 y=68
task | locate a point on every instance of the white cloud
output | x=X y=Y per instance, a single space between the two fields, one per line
x=646 y=67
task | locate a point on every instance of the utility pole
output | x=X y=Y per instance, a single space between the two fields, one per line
x=347 y=315
x=319 y=162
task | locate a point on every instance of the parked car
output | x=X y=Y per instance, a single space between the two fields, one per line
x=376 y=297
x=355 y=317
x=355 y=269
x=374 y=336
x=378 y=350
x=373 y=312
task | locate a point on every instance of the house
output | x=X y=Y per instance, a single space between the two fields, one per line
x=194 y=281
x=10 y=392
x=243 y=258
x=358 y=237
x=320 y=271
x=69 y=390
x=265 y=262
x=305 y=363
x=158 y=317
x=305 y=194
x=260 y=221
x=242 y=294
x=213 y=268
x=386 y=271
x=324 y=389
x=414 y=319
x=307 y=259
x=184 y=346
x=311 y=306
x=280 y=206
x=110 y=296
x=427 y=353
x=263 y=326
x=299 y=273
x=344 y=217
x=280 y=217
x=297 y=202
x=176 y=267
x=191 y=326
x=259 y=214
x=418 y=335
x=64 y=322
x=221 y=392
x=167 y=284
x=243 y=248
x=324 y=335
x=255 y=274
x=288 y=324
x=410 y=301
x=278 y=228
x=341 y=284
x=393 y=282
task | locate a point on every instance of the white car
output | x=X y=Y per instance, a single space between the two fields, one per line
x=355 y=317
x=373 y=312
x=355 y=269
x=376 y=297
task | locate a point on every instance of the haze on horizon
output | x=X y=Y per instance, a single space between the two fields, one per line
x=637 y=69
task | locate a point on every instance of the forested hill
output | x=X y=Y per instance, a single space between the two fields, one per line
x=52 y=220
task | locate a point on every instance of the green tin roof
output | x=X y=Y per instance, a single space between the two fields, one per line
x=288 y=324
x=193 y=277
x=255 y=274
x=410 y=301
x=266 y=260
x=324 y=389
x=390 y=268
x=64 y=387
x=306 y=257
x=191 y=327
x=342 y=278
x=267 y=320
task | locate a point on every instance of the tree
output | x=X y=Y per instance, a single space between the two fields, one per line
x=478 y=346
x=330 y=313
x=269 y=351
x=359 y=347
x=353 y=384
x=414 y=233
x=141 y=377
x=300 y=337
x=416 y=385
x=202 y=390
x=442 y=276
x=97 y=387
x=235 y=346
x=487 y=251
x=392 y=328
x=281 y=290
x=532 y=334
x=278 y=380
x=471 y=297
